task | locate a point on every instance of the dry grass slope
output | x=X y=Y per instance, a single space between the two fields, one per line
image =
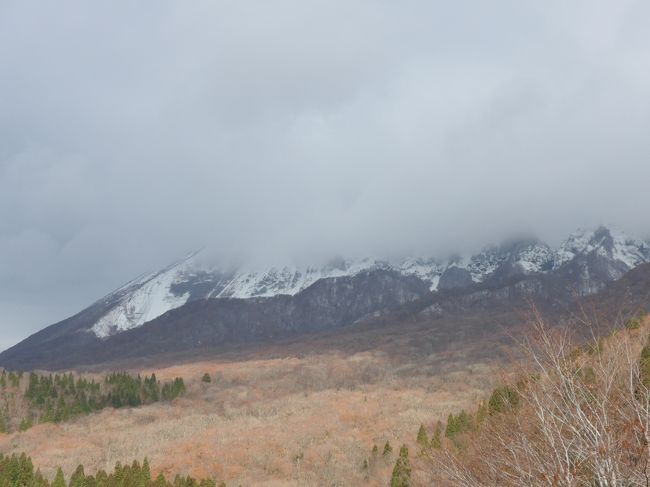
x=283 y=421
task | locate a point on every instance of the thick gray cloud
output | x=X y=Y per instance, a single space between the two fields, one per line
x=132 y=132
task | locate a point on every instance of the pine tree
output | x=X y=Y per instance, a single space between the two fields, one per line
x=502 y=399
x=206 y=378
x=422 y=439
x=402 y=471
x=78 y=478
x=145 y=475
x=59 y=480
x=436 y=440
x=452 y=428
x=160 y=481
x=463 y=421
x=387 y=449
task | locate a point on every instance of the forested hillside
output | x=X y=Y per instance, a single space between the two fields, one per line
x=29 y=399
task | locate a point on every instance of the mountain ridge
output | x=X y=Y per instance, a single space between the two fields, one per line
x=321 y=299
x=186 y=280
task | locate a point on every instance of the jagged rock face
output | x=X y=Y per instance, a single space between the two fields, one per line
x=252 y=304
x=591 y=258
x=455 y=277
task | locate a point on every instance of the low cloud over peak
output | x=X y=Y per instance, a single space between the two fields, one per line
x=133 y=133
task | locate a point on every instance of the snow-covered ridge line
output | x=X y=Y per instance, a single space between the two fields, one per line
x=152 y=295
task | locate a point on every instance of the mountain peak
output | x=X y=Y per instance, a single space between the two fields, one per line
x=190 y=279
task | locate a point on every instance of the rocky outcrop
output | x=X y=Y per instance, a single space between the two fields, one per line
x=454 y=278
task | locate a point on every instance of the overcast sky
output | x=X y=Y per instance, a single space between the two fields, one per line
x=133 y=132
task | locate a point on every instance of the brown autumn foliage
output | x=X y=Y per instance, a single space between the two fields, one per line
x=302 y=420
x=583 y=420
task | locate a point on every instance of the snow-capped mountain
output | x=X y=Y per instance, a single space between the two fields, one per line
x=187 y=280
x=190 y=305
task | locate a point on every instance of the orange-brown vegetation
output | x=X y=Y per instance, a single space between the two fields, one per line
x=581 y=418
x=299 y=419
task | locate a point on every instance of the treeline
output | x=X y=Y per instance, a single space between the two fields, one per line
x=59 y=397
x=19 y=471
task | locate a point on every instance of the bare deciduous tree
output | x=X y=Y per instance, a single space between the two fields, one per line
x=584 y=420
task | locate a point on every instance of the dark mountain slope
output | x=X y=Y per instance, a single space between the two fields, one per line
x=582 y=266
x=328 y=303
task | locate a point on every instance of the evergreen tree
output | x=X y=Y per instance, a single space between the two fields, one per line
x=402 y=471
x=160 y=481
x=59 y=480
x=206 y=378
x=458 y=424
x=502 y=399
x=451 y=429
x=422 y=438
x=436 y=440
x=387 y=449
x=78 y=478
x=146 y=472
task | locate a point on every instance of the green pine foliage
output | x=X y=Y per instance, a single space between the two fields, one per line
x=436 y=439
x=402 y=470
x=173 y=389
x=503 y=398
x=206 y=378
x=18 y=471
x=387 y=449
x=461 y=423
x=60 y=397
x=59 y=479
x=422 y=438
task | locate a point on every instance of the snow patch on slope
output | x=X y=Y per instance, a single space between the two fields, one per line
x=151 y=299
x=152 y=295
x=631 y=252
